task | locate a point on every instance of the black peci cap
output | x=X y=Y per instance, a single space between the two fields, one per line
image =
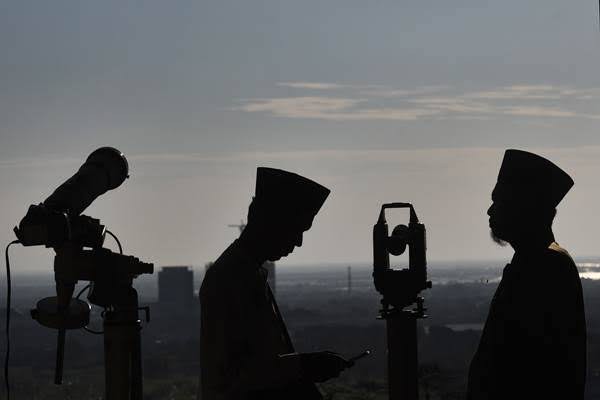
x=289 y=190
x=529 y=178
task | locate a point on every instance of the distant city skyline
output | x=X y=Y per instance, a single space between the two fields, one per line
x=387 y=101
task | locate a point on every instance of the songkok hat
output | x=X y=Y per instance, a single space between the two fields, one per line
x=285 y=190
x=528 y=178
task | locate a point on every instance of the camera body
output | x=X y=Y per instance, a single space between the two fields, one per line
x=43 y=226
x=400 y=288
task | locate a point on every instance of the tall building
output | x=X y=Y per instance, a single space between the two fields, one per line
x=176 y=286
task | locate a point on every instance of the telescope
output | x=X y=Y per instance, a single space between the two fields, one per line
x=77 y=240
x=58 y=218
x=400 y=289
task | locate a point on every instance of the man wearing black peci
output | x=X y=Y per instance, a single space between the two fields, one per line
x=246 y=352
x=533 y=345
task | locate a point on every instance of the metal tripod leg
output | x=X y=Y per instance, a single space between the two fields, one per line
x=136 y=366
x=403 y=381
x=122 y=352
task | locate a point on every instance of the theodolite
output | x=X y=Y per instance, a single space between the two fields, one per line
x=400 y=290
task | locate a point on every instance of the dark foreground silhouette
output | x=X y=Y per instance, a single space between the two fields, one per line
x=246 y=352
x=533 y=344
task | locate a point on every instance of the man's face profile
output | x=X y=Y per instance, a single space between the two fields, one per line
x=501 y=221
x=287 y=234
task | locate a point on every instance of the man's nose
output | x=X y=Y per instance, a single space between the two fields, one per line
x=299 y=241
x=490 y=210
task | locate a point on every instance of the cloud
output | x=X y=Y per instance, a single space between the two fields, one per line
x=301 y=107
x=519 y=92
x=397 y=114
x=38 y=162
x=454 y=105
x=332 y=108
x=536 y=92
x=311 y=85
x=377 y=102
x=535 y=111
x=434 y=157
x=391 y=92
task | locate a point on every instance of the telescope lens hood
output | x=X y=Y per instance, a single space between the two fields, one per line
x=113 y=162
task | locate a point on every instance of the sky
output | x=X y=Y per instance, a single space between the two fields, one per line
x=379 y=101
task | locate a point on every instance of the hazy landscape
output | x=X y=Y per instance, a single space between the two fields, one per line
x=321 y=312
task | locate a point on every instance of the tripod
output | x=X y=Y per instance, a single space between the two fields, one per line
x=403 y=365
x=77 y=240
x=112 y=277
x=400 y=289
x=123 y=349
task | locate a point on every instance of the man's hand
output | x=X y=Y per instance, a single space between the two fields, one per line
x=323 y=365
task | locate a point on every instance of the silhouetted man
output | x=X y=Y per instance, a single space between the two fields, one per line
x=533 y=343
x=246 y=352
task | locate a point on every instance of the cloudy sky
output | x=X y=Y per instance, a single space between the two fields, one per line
x=379 y=100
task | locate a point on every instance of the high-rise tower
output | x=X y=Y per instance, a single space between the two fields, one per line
x=175 y=286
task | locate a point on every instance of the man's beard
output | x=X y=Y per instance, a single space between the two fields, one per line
x=496 y=239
